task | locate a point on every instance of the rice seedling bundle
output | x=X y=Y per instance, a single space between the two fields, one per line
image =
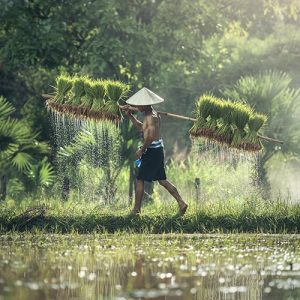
x=64 y=84
x=252 y=141
x=91 y=99
x=115 y=90
x=87 y=100
x=214 y=121
x=225 y=122
x=207 y=113
x=77 y=91
x=99 y=90
x=224 y=132
x=240 y=117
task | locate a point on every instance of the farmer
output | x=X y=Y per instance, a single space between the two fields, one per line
x=151 y=153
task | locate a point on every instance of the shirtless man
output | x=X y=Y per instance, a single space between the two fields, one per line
x=152 y=156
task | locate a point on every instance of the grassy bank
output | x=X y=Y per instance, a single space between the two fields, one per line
x=52 y=215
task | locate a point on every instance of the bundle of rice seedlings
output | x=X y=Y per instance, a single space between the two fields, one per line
x=87 y=100
x=195 y=130
x=63 y=84
x=224 y=132
x=204 y=109
x=116 y=90
x=256 y=121
x=213 y=120
x=240 y=116
x=99 y=90
x=111 y=109
x=77 y=91
x=205 y=106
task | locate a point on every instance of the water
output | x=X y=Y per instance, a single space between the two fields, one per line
x=150 y=267
x=88 y=155
x=222 y=152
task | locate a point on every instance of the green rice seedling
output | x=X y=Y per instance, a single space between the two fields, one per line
x=197 y=128
x=77 y=91
x=116 y=90
x=205 y=106
x=99 y=90
x=217 y=109
x=111 y=107
x=226 y=113
x=63 y=84
x=87 y=100
x=256 y=121
x=200 y=123
x=202 y=112
x=224 y=132
x=215 y=114
x=240 y=116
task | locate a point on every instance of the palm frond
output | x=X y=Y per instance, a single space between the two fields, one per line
x=41 y=173
x=22 y=161
x=6 y=109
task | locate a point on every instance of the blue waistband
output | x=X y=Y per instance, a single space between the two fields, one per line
x=156 y=144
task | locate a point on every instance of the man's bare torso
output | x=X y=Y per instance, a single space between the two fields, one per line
x=152 y=124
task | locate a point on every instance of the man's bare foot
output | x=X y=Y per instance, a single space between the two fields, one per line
x=182 y=209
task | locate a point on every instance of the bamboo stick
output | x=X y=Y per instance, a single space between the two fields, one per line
x=177 y=116
x=47 y=96
x=268 y=139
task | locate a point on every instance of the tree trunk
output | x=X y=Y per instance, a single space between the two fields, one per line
x=3 y=187
x=260 y=179
x=65 y=188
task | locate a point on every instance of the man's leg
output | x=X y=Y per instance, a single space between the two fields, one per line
x=139 y=192
x=173 y=191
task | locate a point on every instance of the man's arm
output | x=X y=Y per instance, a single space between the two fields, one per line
x=138 y=124
x=134 y=120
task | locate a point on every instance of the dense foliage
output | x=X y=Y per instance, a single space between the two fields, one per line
x=181 y=49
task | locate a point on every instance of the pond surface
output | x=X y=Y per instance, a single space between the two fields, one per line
x=144 y=266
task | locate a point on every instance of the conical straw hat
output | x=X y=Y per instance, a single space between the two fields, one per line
x=144 y=97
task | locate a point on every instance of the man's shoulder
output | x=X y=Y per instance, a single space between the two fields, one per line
x=152 y=117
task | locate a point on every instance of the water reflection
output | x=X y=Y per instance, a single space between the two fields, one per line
x=149 y=267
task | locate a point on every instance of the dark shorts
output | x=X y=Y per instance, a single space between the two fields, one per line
x=152 y=166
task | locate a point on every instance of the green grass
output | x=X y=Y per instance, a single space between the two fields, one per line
x=50 y=215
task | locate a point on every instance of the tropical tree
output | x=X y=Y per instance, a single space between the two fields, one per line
x=21 y=152
x=270 y=92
